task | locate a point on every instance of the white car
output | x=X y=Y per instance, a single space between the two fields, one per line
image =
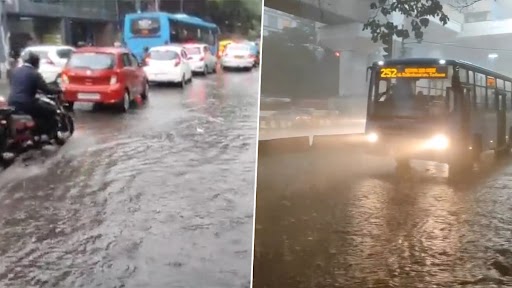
x=201 y=58
x=168 y=64
x=53 y=59
x=237 y=56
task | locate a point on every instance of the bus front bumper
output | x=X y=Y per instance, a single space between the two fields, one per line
x=436 y=148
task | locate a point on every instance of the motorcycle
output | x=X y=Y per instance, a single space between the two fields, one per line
x=19 y=132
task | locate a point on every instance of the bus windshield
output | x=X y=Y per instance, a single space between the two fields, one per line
x=410 y=97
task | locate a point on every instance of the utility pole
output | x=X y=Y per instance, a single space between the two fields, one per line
x=4 y=35
x=181 y=6
x=138 y=5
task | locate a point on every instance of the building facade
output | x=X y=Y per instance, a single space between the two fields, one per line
x=61 y=22
x=480 y=34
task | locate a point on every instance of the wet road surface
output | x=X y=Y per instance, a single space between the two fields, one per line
x=344 y=219
x=159 y=197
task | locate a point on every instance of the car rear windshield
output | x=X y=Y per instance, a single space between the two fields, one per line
x=240 y=48
x=163 y=55
x=92 y=61
x=193 y=50
x=43 y=54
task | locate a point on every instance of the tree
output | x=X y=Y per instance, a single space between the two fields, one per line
x=236 y=16
x=291 y=66
x=417 y=11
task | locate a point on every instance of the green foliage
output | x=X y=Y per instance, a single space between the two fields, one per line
x=417 y=11
x=291 y=69
x=236 y=16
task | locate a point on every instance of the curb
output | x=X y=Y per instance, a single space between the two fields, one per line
x=338 y=141
x=283 y=146
x=314 y=123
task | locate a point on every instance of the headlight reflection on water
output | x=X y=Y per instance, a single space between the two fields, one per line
x=372 y=137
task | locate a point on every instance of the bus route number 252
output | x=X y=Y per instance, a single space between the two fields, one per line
x=388 y=72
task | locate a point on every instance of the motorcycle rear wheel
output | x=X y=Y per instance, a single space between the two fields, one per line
x=67 y=125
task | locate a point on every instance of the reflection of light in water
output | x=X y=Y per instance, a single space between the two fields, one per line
x=396 y=227
x=439 y=232
x=366 y=221
x=197 y=94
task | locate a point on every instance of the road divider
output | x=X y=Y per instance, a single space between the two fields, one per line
x=338 y=141
x=300 y=144
x=283 y=146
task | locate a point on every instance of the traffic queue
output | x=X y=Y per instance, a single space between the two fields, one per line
x=114 y=76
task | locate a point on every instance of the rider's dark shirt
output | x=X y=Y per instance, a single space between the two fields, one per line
x=25 y=83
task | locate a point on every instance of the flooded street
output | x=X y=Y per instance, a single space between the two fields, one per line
x=159 y=197
x=344 y=219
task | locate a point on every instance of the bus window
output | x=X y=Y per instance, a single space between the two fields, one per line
x=493 y=104
x=508 y=86
x=480 y=97
x=480 y=79
x=186 y=32
x=146 y=26
x=207 y=37
x=500 y=84
x=463 y=74
x=471 y=77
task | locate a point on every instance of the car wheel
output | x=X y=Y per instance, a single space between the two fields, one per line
x=124 y=105
x=183 y=81
x=205 y=70
x=145 y=92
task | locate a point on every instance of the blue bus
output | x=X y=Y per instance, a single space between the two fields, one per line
x=150 y=29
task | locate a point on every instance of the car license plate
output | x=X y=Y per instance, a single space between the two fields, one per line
x=239 y=57
x=89 y=96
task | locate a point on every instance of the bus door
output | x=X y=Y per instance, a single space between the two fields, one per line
x=501 y=117
x=458 y=101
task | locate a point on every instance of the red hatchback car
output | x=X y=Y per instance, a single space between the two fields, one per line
x=104 y=75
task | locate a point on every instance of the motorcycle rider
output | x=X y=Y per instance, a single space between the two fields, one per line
x=25 y=84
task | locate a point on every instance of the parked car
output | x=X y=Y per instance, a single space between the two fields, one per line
x=53 y=59
x=238 y=56
x=104 y=75
x=168 y=64
x=201 y=58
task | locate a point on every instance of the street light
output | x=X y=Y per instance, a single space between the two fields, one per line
x=492 y=56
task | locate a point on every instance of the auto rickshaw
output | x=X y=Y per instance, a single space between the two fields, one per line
x=222 y=46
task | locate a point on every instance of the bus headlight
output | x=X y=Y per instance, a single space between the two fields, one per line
x=372 y=137
x=438 y=142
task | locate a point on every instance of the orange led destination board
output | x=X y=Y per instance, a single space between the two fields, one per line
x=438 y=72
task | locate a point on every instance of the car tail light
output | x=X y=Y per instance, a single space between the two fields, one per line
x=201 y=59
x=177 y=63
x=113 y=80
x=65 y=79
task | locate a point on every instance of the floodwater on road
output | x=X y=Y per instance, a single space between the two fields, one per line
x=344 y=219
x=159 y=197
